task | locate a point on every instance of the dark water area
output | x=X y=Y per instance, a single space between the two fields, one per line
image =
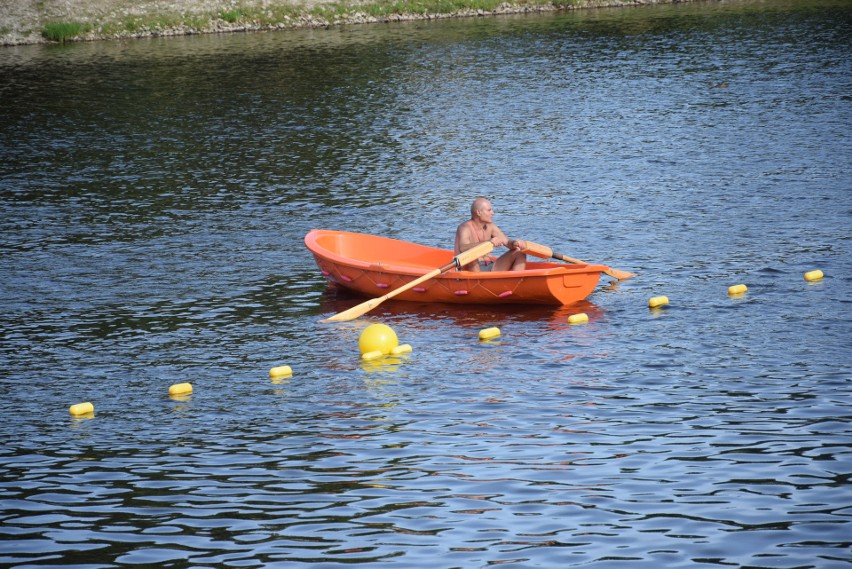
x=154 y=195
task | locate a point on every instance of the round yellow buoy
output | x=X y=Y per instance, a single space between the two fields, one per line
x=180 y=389
x=81 y=409
x=737 y=289
x=657 y=301
x=578 y=318
x=374 y=355
x=280 y=371
x=813 y=275
x=489 y=333
x=377 y=337
x=401 y=349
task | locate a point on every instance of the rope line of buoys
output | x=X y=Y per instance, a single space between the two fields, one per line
x=378 y=341
x=734 y=291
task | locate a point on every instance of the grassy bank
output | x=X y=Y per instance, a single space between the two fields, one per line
x=39 y=21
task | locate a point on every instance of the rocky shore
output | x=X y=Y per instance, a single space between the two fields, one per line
x=41 y=21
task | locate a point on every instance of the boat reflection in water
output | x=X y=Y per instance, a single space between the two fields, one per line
x=474 y=316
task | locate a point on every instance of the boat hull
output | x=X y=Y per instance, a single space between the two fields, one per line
x=372 y=266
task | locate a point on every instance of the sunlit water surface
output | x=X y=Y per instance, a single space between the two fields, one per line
x=154 y=199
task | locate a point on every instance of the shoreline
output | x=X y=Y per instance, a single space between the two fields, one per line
x=31 y=22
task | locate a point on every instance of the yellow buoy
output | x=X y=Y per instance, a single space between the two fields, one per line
x=401 y=349
x=377 y=337
x=657 y=301
x=180 y=389
x=280 y=371
x=489 y=333
x=578 y=318
x=81 y=409
x=813 y=275
x=374 y=355
x=737 y=289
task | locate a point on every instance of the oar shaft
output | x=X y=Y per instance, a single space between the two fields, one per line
x=614 y=273
x=458 y=261
x=568 y=259
x=546 y=252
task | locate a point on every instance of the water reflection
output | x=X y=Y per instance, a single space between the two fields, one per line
x=336 y=300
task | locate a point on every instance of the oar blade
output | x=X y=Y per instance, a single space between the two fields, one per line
x=355 y=311
x=620 y=275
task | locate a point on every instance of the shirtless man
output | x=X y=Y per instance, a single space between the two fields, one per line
x=480 y=228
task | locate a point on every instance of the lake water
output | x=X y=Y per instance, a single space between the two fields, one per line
x=154 y=197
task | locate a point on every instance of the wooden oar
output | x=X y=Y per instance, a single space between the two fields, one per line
x=546 y=253
x=459 y=261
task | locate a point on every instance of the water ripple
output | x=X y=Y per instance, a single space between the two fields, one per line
x=152 y=234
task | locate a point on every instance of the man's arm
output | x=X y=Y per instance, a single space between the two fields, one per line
x=498 y=238
x=510 y=243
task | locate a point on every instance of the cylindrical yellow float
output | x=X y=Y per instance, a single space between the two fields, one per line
x=813 y=275
x=180 y=389
x=374 y=355
x=401 y=349
x=657 y=301
x=280 y=371
x=489 y=333
x=578 y=318
x=81 y=409
x=737 y=289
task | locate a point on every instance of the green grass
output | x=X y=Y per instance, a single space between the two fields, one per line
x=289 y=15
x=231 y=16
x=64 y=31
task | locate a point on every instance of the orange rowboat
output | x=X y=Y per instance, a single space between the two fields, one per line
x=372 y=266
